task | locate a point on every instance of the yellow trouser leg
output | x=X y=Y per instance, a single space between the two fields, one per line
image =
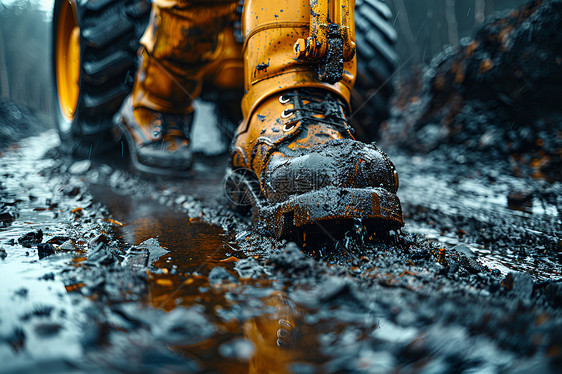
x=179 y=43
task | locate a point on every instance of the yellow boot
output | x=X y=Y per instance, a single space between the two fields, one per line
x=181 y=45
x=295 y=161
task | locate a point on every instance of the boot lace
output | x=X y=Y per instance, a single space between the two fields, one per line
x=313 y=106
x=171 y=125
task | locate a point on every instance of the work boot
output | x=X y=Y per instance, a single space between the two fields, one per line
x=181 y=44
x=295 y=163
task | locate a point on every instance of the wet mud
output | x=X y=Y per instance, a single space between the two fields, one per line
x=498 y=94
x=104 y=270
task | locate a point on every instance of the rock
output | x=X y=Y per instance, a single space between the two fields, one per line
x=3 y=254
x=45 y=249
x=6 y=219
x=31 y=238
x=71 y=191
x=292 y=261
x=22 y=292
x=520 y=200
x=68 y=246
x=519 y=284
x=470 y=263
x=48 y=277
x=465 y=250
x=58 y=240
x=47 y=329
x=337 y=289
x=136 y=258
x=102 y=255
x=154 y=249
x=183 y=325
x=180 y=199
x=248 y=268
x=101 y=238
x=80 y=167
x=105 y=169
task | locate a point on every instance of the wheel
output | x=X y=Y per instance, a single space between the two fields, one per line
x=376 y=63
x=94 y=59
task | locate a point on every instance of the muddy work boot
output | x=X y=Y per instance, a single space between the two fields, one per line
x=180 y=45
x=295 y=164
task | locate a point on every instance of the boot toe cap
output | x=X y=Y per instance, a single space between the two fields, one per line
x=338 y=163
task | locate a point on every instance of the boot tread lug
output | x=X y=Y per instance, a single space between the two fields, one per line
x=326 y=204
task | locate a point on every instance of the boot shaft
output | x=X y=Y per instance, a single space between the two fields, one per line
x=271 y=30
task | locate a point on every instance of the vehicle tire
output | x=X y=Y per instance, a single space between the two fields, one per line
x=376 y=63
x=94 y=59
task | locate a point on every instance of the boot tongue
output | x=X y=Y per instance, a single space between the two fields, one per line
x=323 y=118
x=167 y=132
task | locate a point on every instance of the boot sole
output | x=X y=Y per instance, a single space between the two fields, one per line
x=321 y=211
x=142 y=168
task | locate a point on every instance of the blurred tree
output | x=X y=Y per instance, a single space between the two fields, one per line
x=25 y=54
x=479 y=11
x=4 y=84
x=451 y=17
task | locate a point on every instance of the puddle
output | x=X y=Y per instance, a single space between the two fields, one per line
x=193 y=245
x=460 y=207
x=35 y=309
x=257 y=328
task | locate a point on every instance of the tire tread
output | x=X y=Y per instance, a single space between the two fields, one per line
x=110 y=36
x=376 y=63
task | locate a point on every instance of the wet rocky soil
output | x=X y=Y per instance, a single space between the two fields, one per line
x=105 y=271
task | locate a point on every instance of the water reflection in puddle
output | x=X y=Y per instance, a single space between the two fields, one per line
x=193 y=245
x=258 y=329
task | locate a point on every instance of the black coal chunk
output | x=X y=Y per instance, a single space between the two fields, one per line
x=45 y=249
x=31 y=238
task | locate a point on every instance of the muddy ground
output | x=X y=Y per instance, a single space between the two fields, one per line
x=105 y=271
x=102 y=271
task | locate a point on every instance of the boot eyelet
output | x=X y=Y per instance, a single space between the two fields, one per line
x=282 y=100
x=157 y=131
x=289 y=126
x=284 y=114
